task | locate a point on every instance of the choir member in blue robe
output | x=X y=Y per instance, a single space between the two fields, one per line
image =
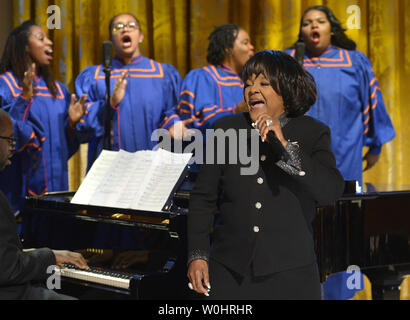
x=349 y=98
x=216 y=90
x=44 y=115
x=143 y=99
x=144 y=93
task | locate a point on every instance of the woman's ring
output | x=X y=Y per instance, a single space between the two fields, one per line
x=268 y=122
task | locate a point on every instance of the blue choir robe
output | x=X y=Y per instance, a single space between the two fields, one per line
x=350 y=102
x=149 y=103
x=45 y=142
x=208 y=94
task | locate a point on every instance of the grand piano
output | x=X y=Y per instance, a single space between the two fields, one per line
x=154 y=270
x=369 y=229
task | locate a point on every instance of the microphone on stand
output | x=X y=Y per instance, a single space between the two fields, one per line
x=107 y=58
x=300 y=52
x=107 y=55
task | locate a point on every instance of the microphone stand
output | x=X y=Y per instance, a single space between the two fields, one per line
x=105 y=142
x=300 y=52
x=107 y=114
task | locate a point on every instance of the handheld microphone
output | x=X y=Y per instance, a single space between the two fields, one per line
x=107 y=55
x=300 y=52
x=277 y=146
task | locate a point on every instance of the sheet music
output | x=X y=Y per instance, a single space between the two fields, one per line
x=136 y=175
x=94 y=177
x=164 y=174
x=142 y=180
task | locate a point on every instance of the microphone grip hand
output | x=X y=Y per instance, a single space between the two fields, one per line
x=270 y=131
x=277 y=146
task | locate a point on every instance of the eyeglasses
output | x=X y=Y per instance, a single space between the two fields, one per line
x=12 y=141
x=132 y=25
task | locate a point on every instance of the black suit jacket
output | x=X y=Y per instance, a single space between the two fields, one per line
x=265 y=218
x=18 y=269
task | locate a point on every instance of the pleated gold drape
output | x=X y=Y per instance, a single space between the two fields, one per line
x=176 y=32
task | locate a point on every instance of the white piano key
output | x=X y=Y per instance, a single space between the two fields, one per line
x=95 y=277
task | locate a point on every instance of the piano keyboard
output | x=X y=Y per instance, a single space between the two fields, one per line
x=102 y=276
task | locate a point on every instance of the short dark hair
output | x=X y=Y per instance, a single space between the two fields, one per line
x=294 y=84
x=110 y=25
x=338 y=38
x=223 y=37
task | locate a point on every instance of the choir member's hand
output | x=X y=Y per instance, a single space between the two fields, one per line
x=119 y=90
x=198 y=276
x=28 y=81
x=77 y=108
x=371 y=160
x=178 y=130
x=64 y=256
x=241 y=107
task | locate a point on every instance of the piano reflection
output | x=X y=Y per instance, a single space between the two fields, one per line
x=369 y=228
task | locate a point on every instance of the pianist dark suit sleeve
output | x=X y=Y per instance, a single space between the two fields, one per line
x=17 y=267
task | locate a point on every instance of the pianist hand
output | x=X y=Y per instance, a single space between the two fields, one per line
x=70 y=257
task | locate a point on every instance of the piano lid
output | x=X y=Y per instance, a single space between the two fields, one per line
x=370 y=190
x=56 y=204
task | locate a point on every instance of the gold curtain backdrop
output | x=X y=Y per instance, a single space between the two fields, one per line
x=176 y=32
